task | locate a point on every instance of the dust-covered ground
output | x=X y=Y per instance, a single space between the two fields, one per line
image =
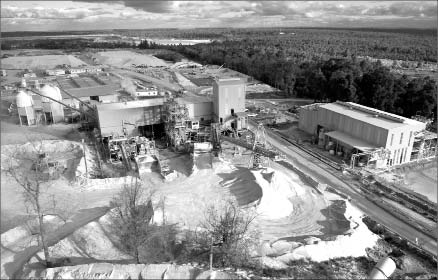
x=40 y=61
x=294 y=220
x=421 y=179
x=125 y=59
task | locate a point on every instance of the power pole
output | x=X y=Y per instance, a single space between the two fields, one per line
x=211 y=254
x=256 y=159
x=85 y=159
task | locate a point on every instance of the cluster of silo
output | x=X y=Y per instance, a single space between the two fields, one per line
x=53 y=111
x=27 y=108
x=26 y=112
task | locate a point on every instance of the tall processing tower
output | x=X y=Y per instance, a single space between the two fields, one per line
x=229 y=101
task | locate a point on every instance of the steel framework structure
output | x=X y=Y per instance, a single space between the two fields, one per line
x=175 y=119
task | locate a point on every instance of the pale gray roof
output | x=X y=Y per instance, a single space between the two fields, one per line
x=131 y=104
x=193 y=99
x=366 y=114
x=352 y=141
x=230 y=81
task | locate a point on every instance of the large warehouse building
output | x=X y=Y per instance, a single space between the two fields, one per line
x=352 y=130
x=131 y=118
x=144 y=116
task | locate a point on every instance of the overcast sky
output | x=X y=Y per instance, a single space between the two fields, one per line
x=86 y=15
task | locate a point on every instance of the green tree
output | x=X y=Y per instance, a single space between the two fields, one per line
x=377 y=89
x=226 y=227
x=137 y=234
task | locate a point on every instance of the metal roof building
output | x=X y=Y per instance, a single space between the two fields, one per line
x=357 y=129
x=113 y=117
x=228 y=99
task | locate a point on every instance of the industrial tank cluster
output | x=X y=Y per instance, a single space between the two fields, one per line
x=31 y=110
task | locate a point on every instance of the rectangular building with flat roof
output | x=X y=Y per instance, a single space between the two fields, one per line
x=132 y=117
x=353 y=128
x=228 y=99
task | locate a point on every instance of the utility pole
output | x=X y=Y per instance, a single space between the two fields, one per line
x=211 y=254
x=85 y=159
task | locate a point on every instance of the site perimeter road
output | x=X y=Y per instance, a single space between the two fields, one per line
x=327 y=175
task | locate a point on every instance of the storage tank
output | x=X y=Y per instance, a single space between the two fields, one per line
x=53 y=111
x=383 y=269
x=37 y=85
x=26 y=113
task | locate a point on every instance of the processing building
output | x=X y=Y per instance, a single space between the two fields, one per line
x=144 y=117
x=365 y=135
x=229 y=102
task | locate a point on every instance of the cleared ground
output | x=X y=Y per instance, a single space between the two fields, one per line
x=125 y=59
x=287 y=207
x=40 y=61
x=423 y=181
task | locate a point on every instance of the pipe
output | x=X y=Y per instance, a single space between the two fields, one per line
x=63 y=104
x=383 y=269
x=80 y=101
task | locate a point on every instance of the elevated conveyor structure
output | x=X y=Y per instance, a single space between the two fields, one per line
x=70 y=107
x=126 y=160
x=250 y=146
x=175 y=119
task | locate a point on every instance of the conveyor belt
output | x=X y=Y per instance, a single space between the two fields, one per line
x=126 y=160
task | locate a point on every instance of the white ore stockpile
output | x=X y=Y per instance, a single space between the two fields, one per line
x=277 y=189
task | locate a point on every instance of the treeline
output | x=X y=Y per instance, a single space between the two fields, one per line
x=12 y=34
x=344 y=78
x=64 y=44
x=323 y=44
x=169 y=56
x=210 y=33
x=398 y=44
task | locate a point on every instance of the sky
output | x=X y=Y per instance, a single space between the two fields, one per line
x=141 y=14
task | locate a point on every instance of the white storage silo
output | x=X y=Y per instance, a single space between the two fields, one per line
x=53 y=111
x=26 y=113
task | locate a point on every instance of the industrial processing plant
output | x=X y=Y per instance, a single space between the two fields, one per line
x=320 y=182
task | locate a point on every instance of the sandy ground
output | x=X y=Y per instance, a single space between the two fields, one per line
x=289 y=208
x=422 y=180
x=13 y=134
x=184 y=82
x=70 y=195
x=260 y=88
x=19 y=245
x=290 y=212
x=40 y=61
x=127 y=58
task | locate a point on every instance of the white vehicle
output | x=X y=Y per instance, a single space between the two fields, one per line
x=252 y=115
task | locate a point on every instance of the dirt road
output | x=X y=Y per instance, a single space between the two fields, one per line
x=13 y=258
x=325 y=175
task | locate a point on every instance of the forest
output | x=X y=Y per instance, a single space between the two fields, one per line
x=323 y=64
x=323 y=77
x=403 y=44
x=75 y=44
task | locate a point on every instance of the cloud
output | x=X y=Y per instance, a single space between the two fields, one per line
x=144 y=5
x=49 y=13
x=88 y=14
x=150 y=6
x=404 y=9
